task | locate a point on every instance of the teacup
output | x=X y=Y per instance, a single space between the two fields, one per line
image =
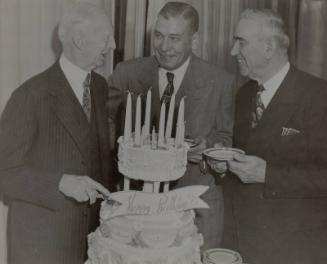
x=217 y=157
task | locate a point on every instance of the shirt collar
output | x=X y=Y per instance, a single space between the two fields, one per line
x=72 y=71
x=276 y=80
x=178 y=76
x=74 y=75
x=180 y=71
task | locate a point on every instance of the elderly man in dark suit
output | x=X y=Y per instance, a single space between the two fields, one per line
x=277 y=198
x=208 y=109
x=54 y=148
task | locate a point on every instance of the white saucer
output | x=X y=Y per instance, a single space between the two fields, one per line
x=222 y=154
x=221 y=256
x=190 y=142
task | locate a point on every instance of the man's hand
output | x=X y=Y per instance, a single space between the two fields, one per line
x=195 y=154
x=250 y=169
x=218 y=166
x=81 y=188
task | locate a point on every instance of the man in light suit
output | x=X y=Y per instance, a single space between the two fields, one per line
x=208 y=102
x=277 y=198
x=54 y=146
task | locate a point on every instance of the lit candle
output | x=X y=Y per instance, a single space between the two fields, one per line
x=170 y=118
x=147 y=113
x=153 y=139
x=128 y=119
x=162 y=125
x=137 y=132
x=180 y=123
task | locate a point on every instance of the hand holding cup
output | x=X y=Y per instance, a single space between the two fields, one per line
x=217 y=158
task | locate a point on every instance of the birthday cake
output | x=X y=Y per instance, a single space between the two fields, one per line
x=145 y=163
x=149 y=226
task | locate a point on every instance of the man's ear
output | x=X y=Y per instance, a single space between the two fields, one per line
x=195 y=41
x=78 y=40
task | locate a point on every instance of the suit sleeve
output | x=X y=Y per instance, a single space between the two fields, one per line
x=223 y=129
x=308 y=178
x=18 y=178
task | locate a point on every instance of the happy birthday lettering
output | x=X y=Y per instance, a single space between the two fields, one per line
x=172 y=203
x=137 y=208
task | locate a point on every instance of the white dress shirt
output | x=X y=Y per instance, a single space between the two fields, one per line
x=178 y=77
x=75 y=76
x=271 y=86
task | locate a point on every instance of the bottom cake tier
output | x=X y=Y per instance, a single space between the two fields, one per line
x=104 y=250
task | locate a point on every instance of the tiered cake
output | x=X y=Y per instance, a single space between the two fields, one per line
x=150 y=227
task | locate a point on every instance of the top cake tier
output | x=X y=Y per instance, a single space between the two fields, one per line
x=150 y=163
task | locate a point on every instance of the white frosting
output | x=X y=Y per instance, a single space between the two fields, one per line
x=152 y=231
x=145 y=163
x=108 y=251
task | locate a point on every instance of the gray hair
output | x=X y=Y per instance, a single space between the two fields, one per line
x=273 y=25
x=188 y=12
x=78 y=15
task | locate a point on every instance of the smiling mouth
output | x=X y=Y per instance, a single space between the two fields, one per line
x=240 y=60
x=166 y=57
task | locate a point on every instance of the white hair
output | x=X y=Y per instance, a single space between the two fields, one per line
x=79 y=14
x=272 y=24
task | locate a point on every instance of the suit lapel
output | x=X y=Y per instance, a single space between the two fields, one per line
x=279 y=111
x=68 y=109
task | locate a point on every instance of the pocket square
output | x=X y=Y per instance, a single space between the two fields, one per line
x=288 y=131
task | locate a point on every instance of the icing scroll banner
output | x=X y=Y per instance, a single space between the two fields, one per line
x=141 y=203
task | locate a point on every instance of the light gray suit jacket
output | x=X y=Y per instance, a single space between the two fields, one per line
x=208 y=114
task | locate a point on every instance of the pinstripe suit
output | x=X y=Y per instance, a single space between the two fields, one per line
x=44 y=134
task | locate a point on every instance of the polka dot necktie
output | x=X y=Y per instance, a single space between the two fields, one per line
x=87 y=97
x=169 y=90
x=259 y=107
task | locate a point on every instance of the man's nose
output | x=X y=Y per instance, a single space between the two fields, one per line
x=235 y=49
x=111 y=45
x=164 y=46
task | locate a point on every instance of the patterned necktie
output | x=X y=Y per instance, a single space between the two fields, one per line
x=169 y=90
x=259 y=107
x=87 y=97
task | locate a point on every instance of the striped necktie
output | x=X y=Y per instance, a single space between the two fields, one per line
x=87 y=97
x=259 y=107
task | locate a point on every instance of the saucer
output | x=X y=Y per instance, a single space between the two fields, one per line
x=222 y=154
x=221 y=256
x=190 y=142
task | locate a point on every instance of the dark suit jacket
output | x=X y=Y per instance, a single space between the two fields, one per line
x=44 y=134
x=283 y=220
x=208 y=114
